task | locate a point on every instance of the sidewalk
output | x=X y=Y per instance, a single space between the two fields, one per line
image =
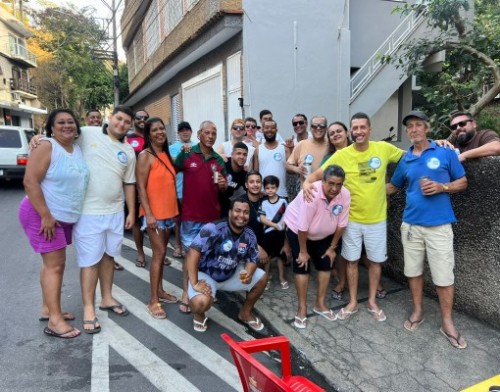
x=362 y=354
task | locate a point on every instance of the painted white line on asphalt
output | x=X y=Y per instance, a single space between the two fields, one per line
x=201 y=353
x=99 y=381
x=158 y=373
x=215 y=314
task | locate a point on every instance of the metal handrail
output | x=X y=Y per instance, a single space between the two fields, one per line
x=368 y=70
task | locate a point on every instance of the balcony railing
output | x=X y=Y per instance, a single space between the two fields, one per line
x=20 y=52
x=22 y=86
x=363 y=76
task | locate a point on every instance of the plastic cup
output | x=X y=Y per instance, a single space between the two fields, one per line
x=243 y=275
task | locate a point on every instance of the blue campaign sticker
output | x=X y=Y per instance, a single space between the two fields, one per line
x=227 y=245
x=308 y=159
x=134 y=143
x=122 y=157
x=433 y=163
x=277 y=156
x=375 y=163
x=337 y=209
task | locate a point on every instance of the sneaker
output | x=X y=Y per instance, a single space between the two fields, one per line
x=337 y=295
x=284 y=285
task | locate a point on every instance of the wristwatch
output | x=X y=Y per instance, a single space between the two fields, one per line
x=446 y=187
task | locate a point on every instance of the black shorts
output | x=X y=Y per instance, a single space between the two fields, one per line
x=316 y=250
x=273 y=242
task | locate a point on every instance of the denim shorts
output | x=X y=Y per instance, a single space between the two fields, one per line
x=163 y=224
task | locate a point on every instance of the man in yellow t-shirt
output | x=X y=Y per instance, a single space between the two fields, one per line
x=365 y=164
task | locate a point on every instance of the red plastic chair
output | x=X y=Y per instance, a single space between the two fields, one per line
x=255 y=377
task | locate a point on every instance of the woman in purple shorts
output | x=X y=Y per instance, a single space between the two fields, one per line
x=55 y=182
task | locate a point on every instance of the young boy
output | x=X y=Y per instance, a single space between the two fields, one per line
x=273 y=208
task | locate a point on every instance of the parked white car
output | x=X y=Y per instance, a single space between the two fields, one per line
x=14 y=142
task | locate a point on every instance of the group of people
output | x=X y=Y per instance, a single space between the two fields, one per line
x=232 y=213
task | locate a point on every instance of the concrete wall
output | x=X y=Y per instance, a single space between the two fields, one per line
x=291 y=59
x=477 y=242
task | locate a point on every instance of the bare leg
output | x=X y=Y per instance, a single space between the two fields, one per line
x=106 y=273
x=341 y=275
x=374 y=272
x=281 y=269
x=367 y=263
x=417 y=291
x=139 y=241
x=88 y=282
x=158 y=244
x=51 y=276
x=323 y=281
x=252 y=297
x=352 y=281
x=446 y=295
x=301 y=284
x=199 y=305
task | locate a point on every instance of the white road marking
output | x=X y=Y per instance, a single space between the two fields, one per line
x=100 y=361
x=201 y=353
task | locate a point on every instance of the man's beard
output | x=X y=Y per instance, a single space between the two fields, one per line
x=465 y=137
x=270 y=138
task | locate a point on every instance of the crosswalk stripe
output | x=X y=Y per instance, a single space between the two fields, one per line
x=100 y=362
x=208 y=358
x=153 y=368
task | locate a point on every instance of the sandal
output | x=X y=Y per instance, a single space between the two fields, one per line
x=118 y=266
x=168 y=298
x=184 y=308
x=300 y=323
x=381 y=294
x=178 y=253
x=167 y=262
x=140 y=263
x=199 y=326
x=157 y=312
x=96 y=328
x=337 y=295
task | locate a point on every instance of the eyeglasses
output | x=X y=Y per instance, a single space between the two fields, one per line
x=251 y=126
x=318 y=126
x=297 y=123
x=238 y=128
x=139 y=118
x=460 y=124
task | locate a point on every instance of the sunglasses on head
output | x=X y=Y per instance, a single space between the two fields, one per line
x=238 y=128
x=460 y=124
x=139 y=118
x=318 y=126
x=297 y=123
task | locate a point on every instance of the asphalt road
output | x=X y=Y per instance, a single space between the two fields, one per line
x=135 y=352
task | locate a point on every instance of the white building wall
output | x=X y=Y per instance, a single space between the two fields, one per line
x=291 y=59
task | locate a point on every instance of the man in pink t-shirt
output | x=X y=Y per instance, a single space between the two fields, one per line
x=314 y=230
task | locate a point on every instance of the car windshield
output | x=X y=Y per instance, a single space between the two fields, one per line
x=10 y=139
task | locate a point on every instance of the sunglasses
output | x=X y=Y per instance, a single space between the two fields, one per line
x=251 y=126
x=297 y=123
x=238 y=128
x=139 y=118
x=318 y=126
x=460 y=124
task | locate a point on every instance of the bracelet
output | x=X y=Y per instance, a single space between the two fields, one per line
x=194 y=287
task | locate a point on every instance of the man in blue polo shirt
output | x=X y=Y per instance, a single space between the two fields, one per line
x=431 y=174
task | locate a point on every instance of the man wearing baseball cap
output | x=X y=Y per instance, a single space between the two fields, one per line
x=431 y=173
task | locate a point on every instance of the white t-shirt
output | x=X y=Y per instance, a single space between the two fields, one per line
x=275 y=212
x=228 y=150
x=274 y=162
x=111 y=164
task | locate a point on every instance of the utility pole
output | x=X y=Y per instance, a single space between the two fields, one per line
x=116 y=80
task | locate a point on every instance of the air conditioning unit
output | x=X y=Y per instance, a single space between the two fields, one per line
x=16 y=96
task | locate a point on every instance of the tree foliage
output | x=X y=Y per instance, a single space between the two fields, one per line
x=470 y=77
x=71 y=75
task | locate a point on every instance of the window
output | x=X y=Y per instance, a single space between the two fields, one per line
x=172 y=14
x=152 y=29
x=138 y=50
x=10 y=139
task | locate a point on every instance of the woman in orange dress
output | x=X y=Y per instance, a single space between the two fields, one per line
x=155 y=175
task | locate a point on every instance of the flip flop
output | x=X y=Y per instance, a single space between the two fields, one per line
x=51 y=332
x=381 y=294
x=378 y=315
x=160 y=314
x=167 y=262
x=113 y=308
x=68 y=316
x=140 y=263
x=412 y=326
x=178 y=253
x=454 y=341
x=96 y=329
x=199 y=326
x=168 y=298
x=337 y=295
x=345 y=314
x=254 y=324
x=300 y=323
x=184 y=308
x=328 y=314
x=118 y=266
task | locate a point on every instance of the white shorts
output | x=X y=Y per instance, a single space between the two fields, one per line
x=232 y=284
x=94 y=235
x=373 y=235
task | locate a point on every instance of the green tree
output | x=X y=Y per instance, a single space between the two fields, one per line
x=72 y=76
x=123 y=75
x=470 y=76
